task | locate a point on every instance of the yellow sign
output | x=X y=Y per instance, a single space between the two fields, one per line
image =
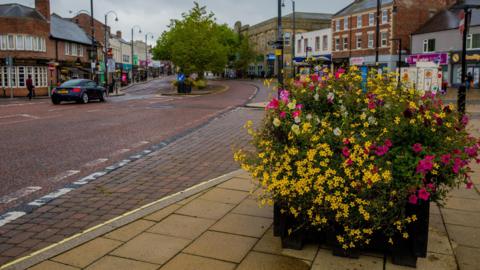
x=456 y=58
x=278 y=52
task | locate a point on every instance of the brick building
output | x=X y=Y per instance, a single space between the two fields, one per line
x=24 y=36
x=262 y=33
x=354 y=29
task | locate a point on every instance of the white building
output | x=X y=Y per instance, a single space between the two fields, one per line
x=315 y=44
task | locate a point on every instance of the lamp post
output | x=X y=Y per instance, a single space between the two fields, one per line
x=94 y=51
x=146 y=51
x=466 y=6
x=107 y=35
x=139 y=31
x=377 y=31
x=279 y=48
x=293 y=39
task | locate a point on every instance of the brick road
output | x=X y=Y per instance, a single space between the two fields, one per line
x=198 y=156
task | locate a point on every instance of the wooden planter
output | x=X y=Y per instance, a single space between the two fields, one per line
x=405 y=251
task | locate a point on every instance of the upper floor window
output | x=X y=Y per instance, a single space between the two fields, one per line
x=345 y=23
x=337 y=44
x=12 y=42
x=370 y=40
x=384 y=16
x=20 y=43
x=359 y=21
x=325 y=43
x=345 y=43
x=429 y=45
x=337 y=25
x=371 y=19
x=317 y=43
x=359 y=42
x=384 y=39
x=473 y=41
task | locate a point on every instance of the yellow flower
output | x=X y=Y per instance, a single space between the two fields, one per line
x=296 y=129
x=397 y=120
x=277 y=122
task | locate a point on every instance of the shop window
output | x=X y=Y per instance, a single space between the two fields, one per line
x=429 y=45
x=473 y=41
x=20 y=44
x=384 y=39
x=36 y=76
x=359 y=42
x=359 y=21
x=384 y=16
x=21 y=76
x=325 y=43
x=370 y=40
x=3 y=77
x=371 y=19
x=13 y=77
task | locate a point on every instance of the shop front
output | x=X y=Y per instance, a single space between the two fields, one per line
x=384 y=61
x=441 y=59
x=473 y=67
x=13 y=77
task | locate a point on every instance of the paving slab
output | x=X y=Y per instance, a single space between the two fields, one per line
x=463 y=204
x=161 y=214
x=191 y=262
x=205 y=209
x=263 y=261
x=49 y=265
x=238 y=183
x=432 y=262
x=243 y=225
x=131 y=230
x=222 y=246
x=117 y=263
x=87 y=253
x=464 y=218
x=252 y=208
x=182 y=226
x=151 y=248
x=326 y=261
x=438 y=242
x=465 y=236
x=224 y=195
x=465 y=193
x=468 y=258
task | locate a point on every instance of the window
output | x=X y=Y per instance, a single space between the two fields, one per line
x=345 y=23
x=359 y=42
x=384 y=16
x=371 y=19
x=13 y=77
x=306 y=44
x=39 y=44
x=67 y=48
x=317 y=43
x=345 y=43
x=28 y=43
x=44 y=45
x=337 y=25
x=11 y=42
x=21 y=76
x=337 y=44
x=429 y=45
x=35 y=44
x=359 y=21
x=80 y=50
x=73 y=49
x=126 y=58
x=4 y=71
x=473 y=41
x=286 y=38
x=3 y=42
x=299 y=46
x=384 y=39
x=325 y=43
x=370 y=40
x=20 y=43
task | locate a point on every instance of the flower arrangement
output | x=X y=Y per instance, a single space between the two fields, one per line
x=340 y=152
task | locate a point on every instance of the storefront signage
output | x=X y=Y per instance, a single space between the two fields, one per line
x=357 y=61
x=471 y=56
x=438 y=58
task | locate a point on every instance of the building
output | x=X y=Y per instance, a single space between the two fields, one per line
x=122 y=54
x=262 y=36
x=440 y=41
x=24 y=36
x=314 y=45
x=141 y=58
x=354 y=29
x=71 y=46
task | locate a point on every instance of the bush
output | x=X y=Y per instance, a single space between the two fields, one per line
x=200 y=84
x=336 y=156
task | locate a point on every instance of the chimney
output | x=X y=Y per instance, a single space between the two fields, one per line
x=43 y=7
x=119 y=34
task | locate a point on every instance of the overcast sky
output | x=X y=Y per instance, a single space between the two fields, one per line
x=154 y=15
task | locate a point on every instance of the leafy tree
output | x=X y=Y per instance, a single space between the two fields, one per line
x=245 y=54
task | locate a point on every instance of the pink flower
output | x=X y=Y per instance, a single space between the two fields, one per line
x=423 y=194
x=465 y=120
x=346 y=152
x=413 y=199
x=471 y=151
x=388 y=143
x=314 y=77
x=457 y=165
x=273 y=105
x=381 y=150
x=371 y=105
x=346 y=141
x=445 y=159
x=349 y=162
x=296 y=114
x=299 y=106
x=283 y=114
x=284 y=95
x=425 y=165
x=469 y=185
x=431 y=187
x=457 y=152
x=417 y=148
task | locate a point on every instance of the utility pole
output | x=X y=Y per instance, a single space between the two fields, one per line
x=94 y=53
x=462 y=90
x=293 y=40
x=140 y=31
x=377 y=32
x=279 y=48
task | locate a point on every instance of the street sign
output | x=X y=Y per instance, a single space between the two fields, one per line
x=278 y=52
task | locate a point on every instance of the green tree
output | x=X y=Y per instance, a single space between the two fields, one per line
x=245 y=54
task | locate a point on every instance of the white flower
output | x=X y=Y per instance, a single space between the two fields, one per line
x=316 y=97
x=337 y=132
x=297 y=120
x=309 y=117
x=343 y=108
x=296 y=129
x=276 y=122
x=372 y=120
x=292 y=105
x=331 y=96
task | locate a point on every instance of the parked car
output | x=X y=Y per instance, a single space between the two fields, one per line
x=79 y=90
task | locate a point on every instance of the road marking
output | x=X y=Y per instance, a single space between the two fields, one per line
x=49 y=197
x=89 y=178
x=91 y=111
x=96 y=162
x=18 y=194
x=21 y=104
x=118 y=165
x=19 y=115
x=10 y=216
x=64 y=175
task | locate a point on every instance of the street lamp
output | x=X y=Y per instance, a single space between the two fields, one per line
x=107 y=35
x=279 y=48
x=146 y=51
x=377 y=31
x=139 y=31
x=466 y=6
x=293 y=39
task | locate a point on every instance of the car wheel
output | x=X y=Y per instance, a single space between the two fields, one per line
x=84 y=99
x=103 y=98
x=55 y=101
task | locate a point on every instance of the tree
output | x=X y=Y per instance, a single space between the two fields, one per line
x=245 y=54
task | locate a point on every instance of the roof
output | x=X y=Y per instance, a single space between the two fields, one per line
x=361 y=5
x=64 y=29
x=17 y=10
x=309 y=16
x=447 y=20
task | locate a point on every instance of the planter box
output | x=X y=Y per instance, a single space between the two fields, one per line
x=405 y=251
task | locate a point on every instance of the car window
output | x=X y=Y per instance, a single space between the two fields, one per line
x=91 y=84
x=73 y=83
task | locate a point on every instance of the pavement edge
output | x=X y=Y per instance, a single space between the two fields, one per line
x=113 y=224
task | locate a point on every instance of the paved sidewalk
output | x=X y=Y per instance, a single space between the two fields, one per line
x=223 y=227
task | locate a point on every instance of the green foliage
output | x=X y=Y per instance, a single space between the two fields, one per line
x=200 y=84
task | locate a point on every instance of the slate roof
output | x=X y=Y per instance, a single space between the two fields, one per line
x=310 y=16
x=359 y=6
x=65 y=29
x=447 y=20
x=17 y=10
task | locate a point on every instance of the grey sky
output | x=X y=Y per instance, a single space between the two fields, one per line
x=154 y=15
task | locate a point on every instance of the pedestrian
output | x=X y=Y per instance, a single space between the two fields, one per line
x=30 y=87
x=469 y=81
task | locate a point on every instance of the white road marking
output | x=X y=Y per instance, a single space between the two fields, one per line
x=64 y=175
x=47 y=198
x=29 y=116
x=118 y=165
x=96 y=162
x=10 y=216
x=89 y=178
x=18 y=194
x=91 y=111
x=21 y=104
x=19 y=115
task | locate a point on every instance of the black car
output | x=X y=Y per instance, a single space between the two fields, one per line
x=79 y=90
